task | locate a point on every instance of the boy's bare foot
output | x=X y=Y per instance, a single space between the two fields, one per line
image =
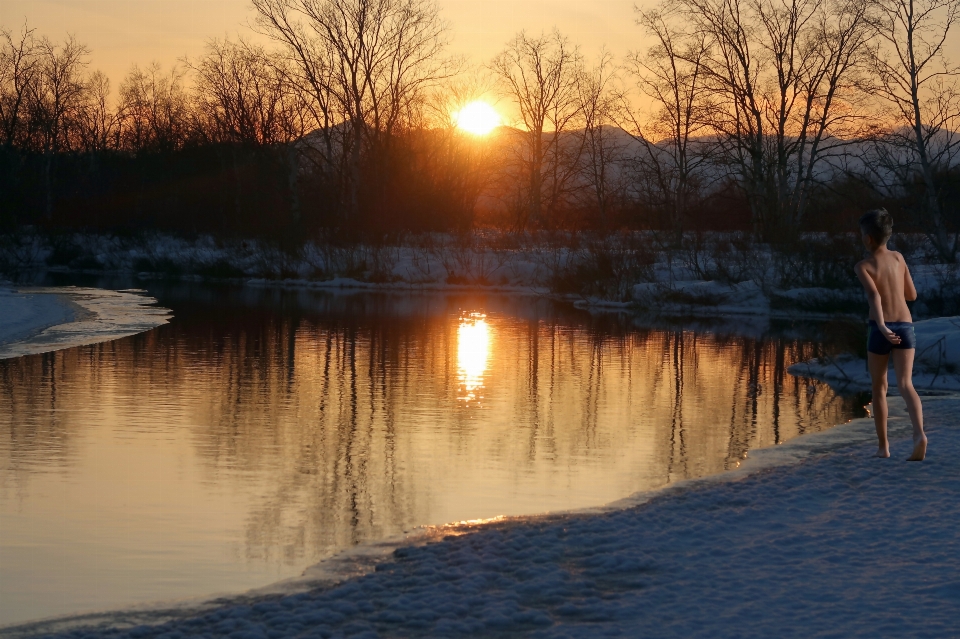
x=919 y=449
x=883 y=453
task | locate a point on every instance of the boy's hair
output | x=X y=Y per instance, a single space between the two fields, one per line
x=878 y=224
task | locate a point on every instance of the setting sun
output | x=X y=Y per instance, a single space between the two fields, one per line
x=477 y=117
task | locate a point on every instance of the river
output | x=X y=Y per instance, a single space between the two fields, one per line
x=262 y=431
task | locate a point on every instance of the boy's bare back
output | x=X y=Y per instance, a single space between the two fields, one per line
x=890 y=332
x=887 y=272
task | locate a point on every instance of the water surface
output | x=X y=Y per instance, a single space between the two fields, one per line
x=262 y=431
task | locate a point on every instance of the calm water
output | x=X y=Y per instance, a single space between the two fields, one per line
x=262 y=431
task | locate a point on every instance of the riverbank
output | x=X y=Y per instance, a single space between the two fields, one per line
x=39 y=320
x=839 y=544
x=936 y=365
x=708 y=275
x=28 y=314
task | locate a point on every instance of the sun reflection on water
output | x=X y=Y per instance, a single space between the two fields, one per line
x=238 y=445
x=473 y=350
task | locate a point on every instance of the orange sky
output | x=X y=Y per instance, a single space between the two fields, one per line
x=121 y=33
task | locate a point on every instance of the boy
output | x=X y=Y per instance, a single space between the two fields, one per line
x=887 y=282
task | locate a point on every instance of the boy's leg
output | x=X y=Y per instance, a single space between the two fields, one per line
x=903 y=365
x=877 y=364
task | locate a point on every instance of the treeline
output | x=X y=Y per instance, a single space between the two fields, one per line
x=230 y=144
x=771 y=116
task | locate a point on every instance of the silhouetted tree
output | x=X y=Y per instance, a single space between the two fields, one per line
x=671 y=74
x=540 y=76
x=781 y=77
x=19 y=68
x=603 y=144
x=244 y=95
x=97 y=124
x=245 y=99
x=367 y=66
x=922 y=89
x=154 y=110
x=56 y=96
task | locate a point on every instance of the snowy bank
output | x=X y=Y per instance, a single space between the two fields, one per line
x=48 y=319
x=823 y=547
x=722 y=273
x=937 y=364
x=696 y=296
x=24 y=315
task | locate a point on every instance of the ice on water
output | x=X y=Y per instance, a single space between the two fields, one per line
x=38 y=320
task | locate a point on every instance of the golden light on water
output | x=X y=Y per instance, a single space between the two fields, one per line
x=478 y=118
x=234 y=448
x=473 y=350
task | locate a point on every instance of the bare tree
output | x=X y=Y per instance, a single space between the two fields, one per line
x=19 y=66
x=243 y=95
x=244 y=98
x=540 y=75
x=923 y=90
x=367 y=66
x=312 y=75
x=154 y=110
x=18 y=70
x=818 y=54
x=603 y=147
x=97 y=125
x=462 y=166
x=56 y=101
x=781 y=76
x=670 y=74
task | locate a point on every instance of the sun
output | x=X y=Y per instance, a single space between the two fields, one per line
x=477 y=117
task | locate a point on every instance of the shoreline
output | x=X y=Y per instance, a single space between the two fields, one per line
x=778 y=551
x=26 y=315
x=936 y=365
x=363 y=560
x=56 y=318
x=668 y=280
x=694 y=308
x=366 y=559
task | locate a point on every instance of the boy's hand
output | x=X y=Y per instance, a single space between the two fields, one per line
x=892 y=337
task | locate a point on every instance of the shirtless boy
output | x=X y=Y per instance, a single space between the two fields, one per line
x=887 y=282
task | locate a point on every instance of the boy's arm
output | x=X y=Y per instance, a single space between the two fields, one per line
x=909 y=290
x=875 y=303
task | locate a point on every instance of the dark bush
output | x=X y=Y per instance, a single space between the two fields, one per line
x=219 y=269
x=816 y=260
x=64 y=253
x=161 y=266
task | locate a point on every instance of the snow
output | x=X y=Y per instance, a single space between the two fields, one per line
x=720 y=273
x=709 y=296
x=47 y=319
x=936 y=367
x=819 y=298
x=24 y=315
x=836 y=544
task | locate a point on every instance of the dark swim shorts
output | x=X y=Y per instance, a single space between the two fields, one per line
x=879 y=345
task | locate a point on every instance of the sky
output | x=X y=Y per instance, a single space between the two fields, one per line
x=121 y=33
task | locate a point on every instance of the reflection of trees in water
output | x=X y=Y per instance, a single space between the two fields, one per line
x=29 y=438
x=325 y=402
x=706 y=400
x=38 y=399
x=343 y=430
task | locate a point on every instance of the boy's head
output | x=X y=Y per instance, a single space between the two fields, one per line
x=877 y=225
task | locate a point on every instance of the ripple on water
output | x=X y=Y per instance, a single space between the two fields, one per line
x=259 y=433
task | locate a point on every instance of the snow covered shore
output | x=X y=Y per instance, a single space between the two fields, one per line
x=839 y=544
x=711 y=275
x=23 y=315
x=48 y=319
x=937 y=364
